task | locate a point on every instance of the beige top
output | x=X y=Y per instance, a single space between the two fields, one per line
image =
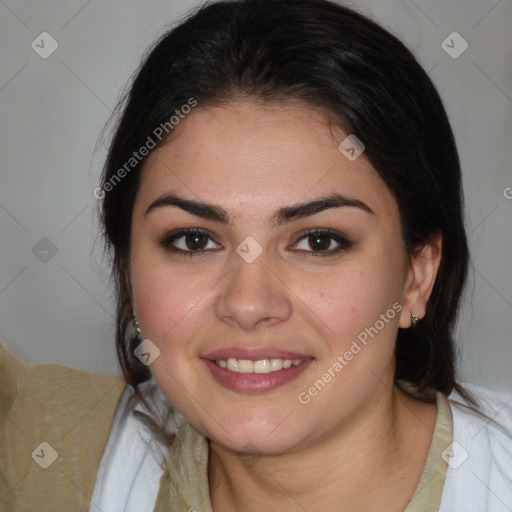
x=54 y=426
x=55 y=422
x=184 y=484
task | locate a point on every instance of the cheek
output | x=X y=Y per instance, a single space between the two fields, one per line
x=168 y=303
x=167 y=300
x=353 y=296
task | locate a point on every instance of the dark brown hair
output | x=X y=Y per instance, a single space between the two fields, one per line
x=331 y=58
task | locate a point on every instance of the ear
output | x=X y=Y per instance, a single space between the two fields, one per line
x=125 y=266
x=421 y=276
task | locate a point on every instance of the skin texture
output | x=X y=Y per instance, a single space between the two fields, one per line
x=359 y=441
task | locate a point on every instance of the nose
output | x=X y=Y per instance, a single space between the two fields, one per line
x=253 y=295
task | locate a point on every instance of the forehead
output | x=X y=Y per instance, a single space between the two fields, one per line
x=243 y=153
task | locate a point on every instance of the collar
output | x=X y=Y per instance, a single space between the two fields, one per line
x=184 y=483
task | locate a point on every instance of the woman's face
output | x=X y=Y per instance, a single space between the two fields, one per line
x=263 y=289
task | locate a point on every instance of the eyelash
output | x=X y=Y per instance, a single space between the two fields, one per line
x=344 y=243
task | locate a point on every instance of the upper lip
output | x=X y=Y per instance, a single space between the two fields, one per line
x=253 y=354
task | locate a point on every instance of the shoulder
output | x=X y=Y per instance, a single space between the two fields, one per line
x=479 y=475
x=54 y=427
x=52 y=389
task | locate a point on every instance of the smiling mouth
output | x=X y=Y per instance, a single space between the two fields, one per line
x=258 y=374
x=260 y=366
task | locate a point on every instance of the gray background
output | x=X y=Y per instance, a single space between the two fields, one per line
x=59 y=307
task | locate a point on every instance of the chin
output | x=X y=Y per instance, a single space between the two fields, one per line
x=255 y=445
x=254 y=432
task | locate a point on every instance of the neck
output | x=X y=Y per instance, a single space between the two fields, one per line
x=373 y=461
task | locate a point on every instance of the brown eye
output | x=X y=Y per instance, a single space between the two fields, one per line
x=195 y=241
x=319 y=242
x=191 y=242
x=323 y=242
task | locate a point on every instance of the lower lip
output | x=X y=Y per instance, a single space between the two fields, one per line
x=255 y=382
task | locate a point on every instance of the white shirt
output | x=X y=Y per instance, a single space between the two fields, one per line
x=128 y=478
x=479 y=474
x=478 y=479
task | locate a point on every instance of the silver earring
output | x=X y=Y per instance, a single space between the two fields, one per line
x=414 y=319
x=136 y=328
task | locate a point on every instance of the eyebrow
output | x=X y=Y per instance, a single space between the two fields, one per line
x=283 y=215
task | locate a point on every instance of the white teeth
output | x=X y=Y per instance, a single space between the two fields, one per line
x=276 y=364
x=232 y=364
x=260 y=366
x=245 y=366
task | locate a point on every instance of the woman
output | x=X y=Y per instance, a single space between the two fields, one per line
x=289 y=255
